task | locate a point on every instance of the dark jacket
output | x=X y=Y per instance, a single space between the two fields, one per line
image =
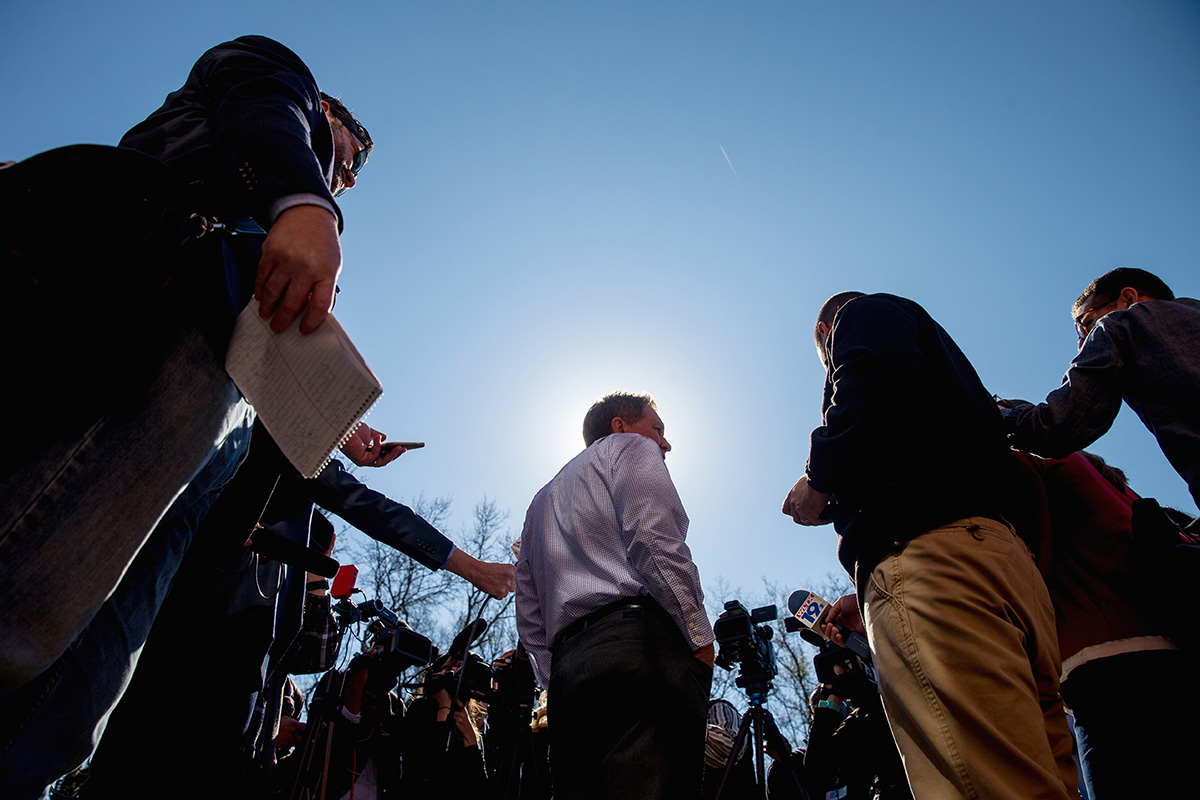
x=249 y=123
x=911 y=439
x=336 y=490
x=245 y=131
x=1146 y=355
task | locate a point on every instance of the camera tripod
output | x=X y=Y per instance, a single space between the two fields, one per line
x=516 y=763
x=320 y=726
x=754 y=722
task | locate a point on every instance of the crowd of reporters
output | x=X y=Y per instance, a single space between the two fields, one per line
x=398 y=719
x=210 y=709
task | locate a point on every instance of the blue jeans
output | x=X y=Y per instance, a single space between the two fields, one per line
x=72 y=521
x=92 y=536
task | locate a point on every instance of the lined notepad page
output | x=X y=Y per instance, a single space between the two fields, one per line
x=310 y=391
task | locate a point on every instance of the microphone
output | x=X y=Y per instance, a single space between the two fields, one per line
x=810 y=612
x=807 y=607
x=466 y=637
x=277 y=547
x=458 y=648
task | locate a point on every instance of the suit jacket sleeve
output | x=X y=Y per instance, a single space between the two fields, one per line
x=249 y=121
x=269 y=127
x=383 y=519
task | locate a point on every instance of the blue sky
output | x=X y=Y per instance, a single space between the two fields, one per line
x=572 y=198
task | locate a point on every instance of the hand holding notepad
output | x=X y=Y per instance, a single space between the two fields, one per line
x=310 y=391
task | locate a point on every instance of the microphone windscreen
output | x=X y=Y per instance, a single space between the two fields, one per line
x=808 y=608
x=467 y=636
x=276 y=547
x=796 y=600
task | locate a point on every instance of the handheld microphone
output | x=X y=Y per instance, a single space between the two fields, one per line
x=458 y=648
x=277 y=547
x=810 y=612
x=466 y=637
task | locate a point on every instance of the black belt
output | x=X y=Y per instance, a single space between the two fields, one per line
x=588 y=620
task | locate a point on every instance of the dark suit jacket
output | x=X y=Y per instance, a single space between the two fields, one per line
x=374 y=513
x=248 y=123
x=246 y=130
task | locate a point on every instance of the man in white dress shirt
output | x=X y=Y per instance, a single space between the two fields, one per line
x=610 y=609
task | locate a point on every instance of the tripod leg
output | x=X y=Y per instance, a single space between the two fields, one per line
x=787 y=759
x=743 y=732
x=509 y=776
x=307 y=750
x=325 y=771
x=760 y=767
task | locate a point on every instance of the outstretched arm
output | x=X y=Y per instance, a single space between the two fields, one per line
x=493 y=577
x=1079 y=411
x=399 y=527
x=377 y=515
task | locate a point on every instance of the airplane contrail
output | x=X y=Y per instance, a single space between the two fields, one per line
x=730 y=163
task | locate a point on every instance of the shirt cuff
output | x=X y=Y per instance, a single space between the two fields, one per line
x=453 y=547
x=699 y=632
x=290 y=201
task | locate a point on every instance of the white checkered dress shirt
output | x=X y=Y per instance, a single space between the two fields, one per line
x=609 y=526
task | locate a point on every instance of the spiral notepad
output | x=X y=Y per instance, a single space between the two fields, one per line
x=310 y=391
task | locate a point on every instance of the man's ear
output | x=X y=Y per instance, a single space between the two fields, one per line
x=1129 y=295
x=325 y=106
x=822 y=336
x=618 y=425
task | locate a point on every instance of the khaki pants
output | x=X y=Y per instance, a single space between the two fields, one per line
x=962 y=632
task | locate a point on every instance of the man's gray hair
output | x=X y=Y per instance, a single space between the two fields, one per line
x=597 y=423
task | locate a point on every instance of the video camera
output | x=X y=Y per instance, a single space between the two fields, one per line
x=396 y=645
x=745 y=639
x=849 y=674
x=389 y=640
x=475 y=675
x=512 y=675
